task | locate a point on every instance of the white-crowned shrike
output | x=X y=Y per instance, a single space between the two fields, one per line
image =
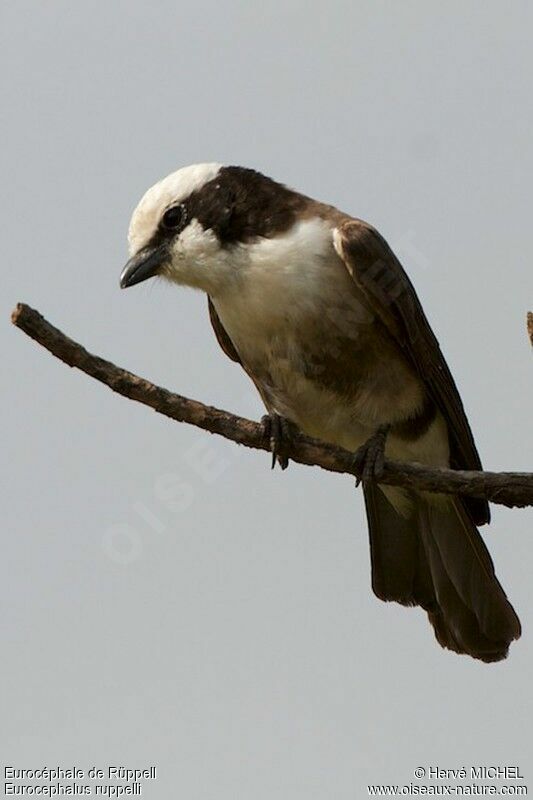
x=317 y=309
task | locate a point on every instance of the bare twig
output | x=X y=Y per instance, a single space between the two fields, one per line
x=507 y=488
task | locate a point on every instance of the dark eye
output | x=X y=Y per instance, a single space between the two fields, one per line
x=173 y=218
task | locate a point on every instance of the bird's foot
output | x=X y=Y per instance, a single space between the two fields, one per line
x=369 y=459
x=280 y=433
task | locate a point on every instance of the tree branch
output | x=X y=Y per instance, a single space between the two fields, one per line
x=513 y=489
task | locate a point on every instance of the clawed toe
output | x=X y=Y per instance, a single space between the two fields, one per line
x=279 y=432
x=369 y=459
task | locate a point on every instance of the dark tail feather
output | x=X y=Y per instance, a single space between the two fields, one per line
x=436 y=558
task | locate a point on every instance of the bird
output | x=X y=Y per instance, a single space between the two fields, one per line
x=317 y=309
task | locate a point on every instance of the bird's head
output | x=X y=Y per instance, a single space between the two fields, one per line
x=194 y=226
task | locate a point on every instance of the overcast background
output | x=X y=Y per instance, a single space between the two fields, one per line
x=228 y=635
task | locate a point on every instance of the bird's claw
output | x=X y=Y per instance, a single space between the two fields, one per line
x=369 y=459
x=279 y=432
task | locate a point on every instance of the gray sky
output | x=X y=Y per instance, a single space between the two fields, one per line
x=232 y=639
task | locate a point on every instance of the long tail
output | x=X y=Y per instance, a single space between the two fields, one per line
x=436 y=558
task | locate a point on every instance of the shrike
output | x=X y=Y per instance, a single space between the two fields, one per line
x=319 y=312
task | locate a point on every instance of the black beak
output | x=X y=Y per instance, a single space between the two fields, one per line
x=143 y=265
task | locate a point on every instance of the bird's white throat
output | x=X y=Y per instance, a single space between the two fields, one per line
x=262 y=284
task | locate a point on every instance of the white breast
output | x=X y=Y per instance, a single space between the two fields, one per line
x=289 y=284
x=296 y=286
x=288 y=281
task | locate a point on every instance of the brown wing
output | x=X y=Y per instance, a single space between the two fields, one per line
x=220 y=332
x=379 y=274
